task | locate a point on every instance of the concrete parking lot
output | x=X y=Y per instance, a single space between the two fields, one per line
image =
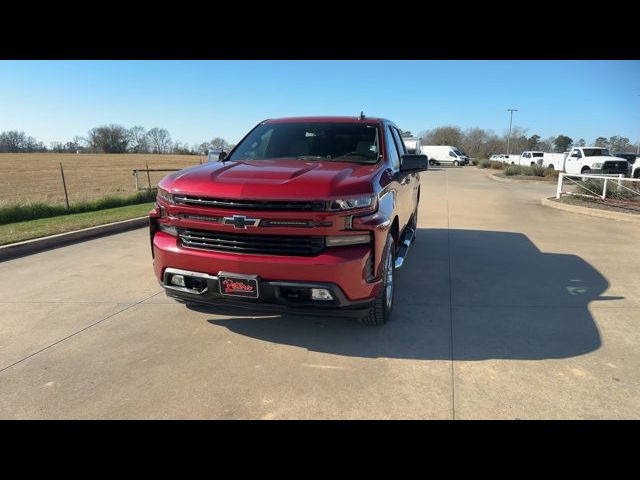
x=507 y=309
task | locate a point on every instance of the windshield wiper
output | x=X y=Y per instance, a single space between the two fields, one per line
x=313 y=157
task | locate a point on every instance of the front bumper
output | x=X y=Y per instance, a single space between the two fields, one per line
x=342 y=270
x=275 y=296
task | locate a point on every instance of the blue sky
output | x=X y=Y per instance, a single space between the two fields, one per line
x=197 y=100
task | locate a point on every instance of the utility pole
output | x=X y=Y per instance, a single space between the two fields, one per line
x=510 y=122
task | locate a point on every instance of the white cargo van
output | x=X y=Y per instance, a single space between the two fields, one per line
x=444 y=154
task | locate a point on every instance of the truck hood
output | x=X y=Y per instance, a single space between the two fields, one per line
x=274 y=179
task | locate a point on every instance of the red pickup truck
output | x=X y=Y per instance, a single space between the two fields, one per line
x=305 y=214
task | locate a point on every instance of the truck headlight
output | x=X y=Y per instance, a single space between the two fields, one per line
x=166 y=196
x=343 y=240
x=597 y=165
x=351 y=203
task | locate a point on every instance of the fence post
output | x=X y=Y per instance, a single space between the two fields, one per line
x=559 y=189
x=604 y=189
x=148 y=178
x=620 y=175
x=135 y=175
x=64 y=184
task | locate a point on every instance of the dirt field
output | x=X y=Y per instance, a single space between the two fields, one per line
x=26 y=177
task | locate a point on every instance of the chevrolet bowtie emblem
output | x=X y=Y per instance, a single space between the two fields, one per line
x=241 y=222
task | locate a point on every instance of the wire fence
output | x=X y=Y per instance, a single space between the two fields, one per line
x=68 y=179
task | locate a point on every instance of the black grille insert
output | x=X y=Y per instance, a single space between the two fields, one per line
x=261 y=205
x=244 y=243
x=615 y=167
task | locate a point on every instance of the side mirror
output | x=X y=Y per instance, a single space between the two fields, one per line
x=222 y=155
x=414 y=163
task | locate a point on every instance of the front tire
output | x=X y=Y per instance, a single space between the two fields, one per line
x=380 y=311
x=456 y=163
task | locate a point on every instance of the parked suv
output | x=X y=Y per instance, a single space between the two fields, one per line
x=310 y=214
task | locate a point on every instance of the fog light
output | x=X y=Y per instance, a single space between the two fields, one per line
x=321 y=294
x=177 y=280
x=342 y=240
x=173 y=231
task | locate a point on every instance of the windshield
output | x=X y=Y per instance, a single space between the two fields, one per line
x=596 y=152
x=344 y=142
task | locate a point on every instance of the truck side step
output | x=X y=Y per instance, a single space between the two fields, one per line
x=407 y=239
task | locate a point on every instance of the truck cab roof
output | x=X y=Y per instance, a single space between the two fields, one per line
x=327 y=119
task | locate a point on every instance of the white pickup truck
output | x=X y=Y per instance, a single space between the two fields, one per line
x=595 y=160
x=530 y=157
x=412 y=144
x=512 y=159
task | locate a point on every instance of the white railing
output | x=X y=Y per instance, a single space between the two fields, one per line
x=619 y=181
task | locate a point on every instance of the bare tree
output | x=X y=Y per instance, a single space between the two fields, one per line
x=138 y=140
x=109 y=139
x=493 y=145
x=201 y=149
x=545 y=145
x=57 y=147
x=181 y=149
x=601 y=142
x=472 y=142
x=518 y=142
x=447 y=135
x=160 y=140
x=12 y=141
x=219 y=144
x=81 y=142
x=620 y=144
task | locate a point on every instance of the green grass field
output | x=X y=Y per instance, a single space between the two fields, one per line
x=19 y=231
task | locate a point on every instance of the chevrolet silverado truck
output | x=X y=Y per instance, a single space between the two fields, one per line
x=309 y=214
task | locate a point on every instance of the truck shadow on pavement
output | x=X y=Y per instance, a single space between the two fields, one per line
x=462 y=295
